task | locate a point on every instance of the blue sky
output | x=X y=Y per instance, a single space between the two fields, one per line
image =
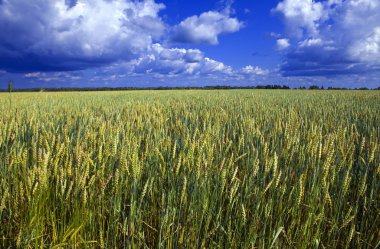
x=124 y=43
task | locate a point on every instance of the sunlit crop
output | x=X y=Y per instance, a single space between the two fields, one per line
x=190 y=169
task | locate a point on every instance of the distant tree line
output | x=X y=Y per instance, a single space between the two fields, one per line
x=248 y=87
x=88 y=89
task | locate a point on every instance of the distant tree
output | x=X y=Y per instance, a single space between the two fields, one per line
x=336 y=88
x=314 y=87
x=10 y=86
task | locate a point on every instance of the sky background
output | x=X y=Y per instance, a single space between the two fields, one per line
x=146 y=43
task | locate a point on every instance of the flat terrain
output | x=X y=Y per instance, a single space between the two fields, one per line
x=190 y=169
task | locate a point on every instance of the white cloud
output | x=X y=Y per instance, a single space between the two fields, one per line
x=301 y=14
x=173 y=61
x=212 y=66
x=311 y=42
x=56 y=35
x=32 y=75
x=53 y=76
x=165 y=62
x=332 y=37
x=367 y=49
x=283 y=44
x=250 y=70
x=205 y=28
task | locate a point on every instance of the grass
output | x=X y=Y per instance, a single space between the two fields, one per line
x=190 y=169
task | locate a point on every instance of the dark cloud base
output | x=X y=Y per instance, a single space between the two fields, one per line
x=36 y=63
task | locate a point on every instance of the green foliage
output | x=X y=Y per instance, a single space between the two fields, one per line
x=191 y=169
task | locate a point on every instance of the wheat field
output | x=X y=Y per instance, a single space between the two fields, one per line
x=190 y=169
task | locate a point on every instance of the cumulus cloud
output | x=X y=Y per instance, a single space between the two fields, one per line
x=367 y=49
x=331 y=37
x=250 y=70
x=154 y=69
x=301 y=15
x=206 y=27
x=185 y=65
x=60 y=35
x=282 y=44
x=174 y=61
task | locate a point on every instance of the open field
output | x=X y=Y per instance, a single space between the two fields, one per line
x=190 y=169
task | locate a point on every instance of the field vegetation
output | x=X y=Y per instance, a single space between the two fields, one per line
x=190 y=169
